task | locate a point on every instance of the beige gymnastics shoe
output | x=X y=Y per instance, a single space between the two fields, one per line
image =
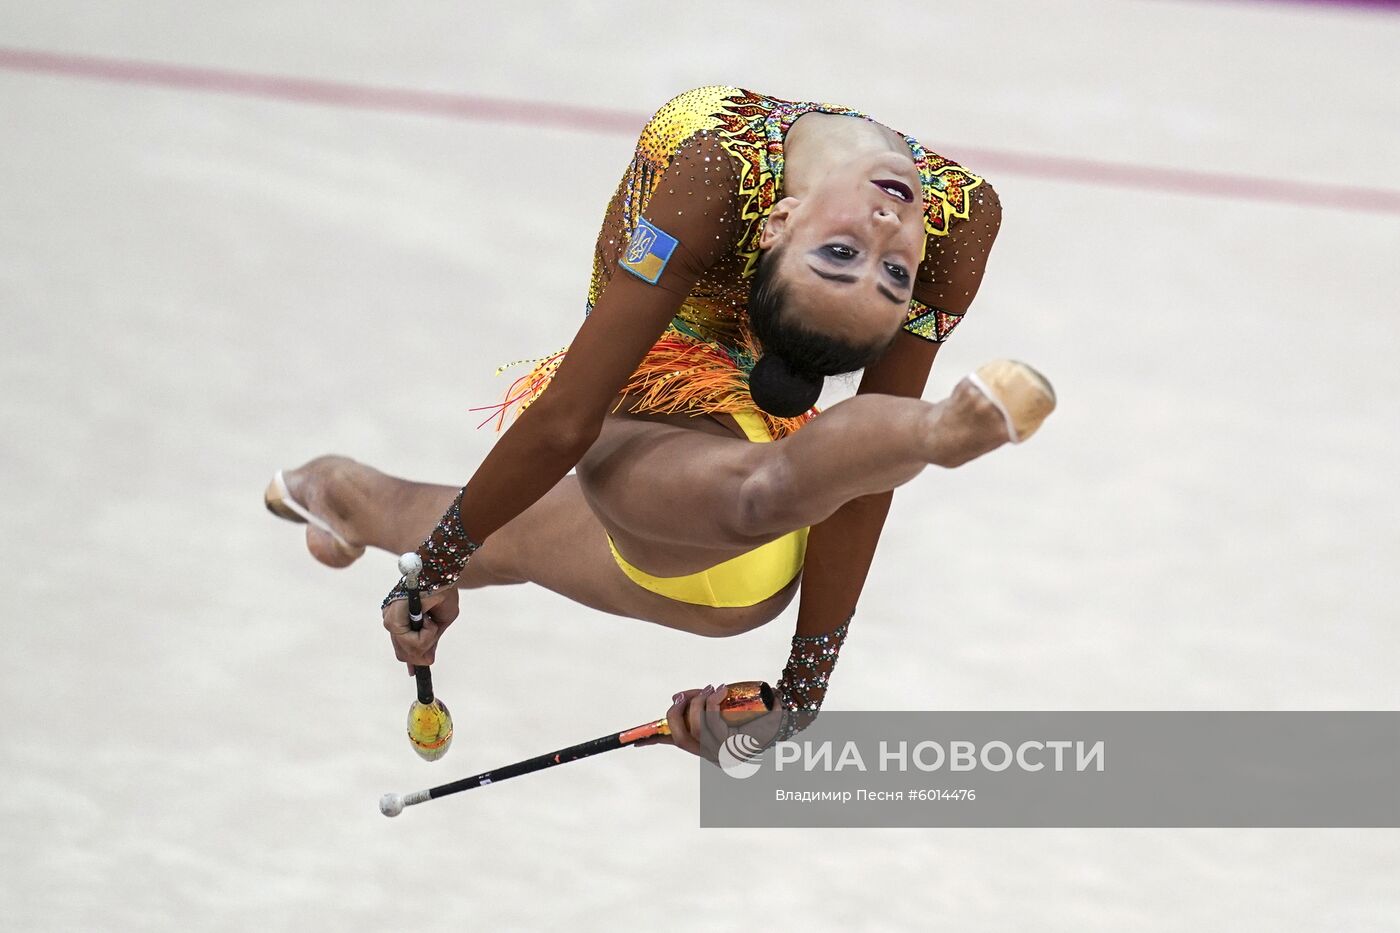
x=279 y=502
x=1024 y=397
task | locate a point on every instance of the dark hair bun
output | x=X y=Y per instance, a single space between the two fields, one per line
x=781 y=391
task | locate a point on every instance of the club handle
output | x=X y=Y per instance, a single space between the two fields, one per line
x=420 y=671
x=746 y=701
x=743 y=702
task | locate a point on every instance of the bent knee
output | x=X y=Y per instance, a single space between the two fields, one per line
x=763 y=506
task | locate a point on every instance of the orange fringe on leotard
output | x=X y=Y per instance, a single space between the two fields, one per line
x=679 y=374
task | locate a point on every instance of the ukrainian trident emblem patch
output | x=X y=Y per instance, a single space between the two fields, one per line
x=648 y=251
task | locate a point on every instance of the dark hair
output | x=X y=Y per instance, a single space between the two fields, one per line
x=788 y=376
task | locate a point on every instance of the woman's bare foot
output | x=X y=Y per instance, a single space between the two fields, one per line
x=330 y=491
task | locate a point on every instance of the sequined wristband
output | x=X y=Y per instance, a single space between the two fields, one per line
x=803 y=684
x=445 y=555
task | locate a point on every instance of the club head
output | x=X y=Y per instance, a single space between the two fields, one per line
x=410 y=565
x=429 y=729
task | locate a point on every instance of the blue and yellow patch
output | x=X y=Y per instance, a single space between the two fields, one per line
x=648 y=251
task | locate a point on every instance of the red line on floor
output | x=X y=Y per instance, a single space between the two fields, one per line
x=1310 y=193
x=330 y=93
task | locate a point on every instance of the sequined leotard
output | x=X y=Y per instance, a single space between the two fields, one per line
x=708 y=168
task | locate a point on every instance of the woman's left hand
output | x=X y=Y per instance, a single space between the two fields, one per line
x=420 y=647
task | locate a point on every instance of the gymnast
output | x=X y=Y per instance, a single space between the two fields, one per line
x=753 y=247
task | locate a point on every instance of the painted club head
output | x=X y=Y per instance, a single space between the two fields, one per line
x=391 y=804
x=429 y=729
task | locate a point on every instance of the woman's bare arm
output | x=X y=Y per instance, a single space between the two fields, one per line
x=841 y=548
x=552 y=435
x=556 y=430
x=630 y=313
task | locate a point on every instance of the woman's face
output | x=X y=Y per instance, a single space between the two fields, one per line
x=851 y=246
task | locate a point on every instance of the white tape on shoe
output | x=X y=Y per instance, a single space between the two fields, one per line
x=285 y=497
x=982 y=387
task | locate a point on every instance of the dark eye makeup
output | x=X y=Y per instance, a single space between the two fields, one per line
x=841 y=253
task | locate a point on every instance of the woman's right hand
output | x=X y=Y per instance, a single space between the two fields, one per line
x=439 y=611
x=698 y=727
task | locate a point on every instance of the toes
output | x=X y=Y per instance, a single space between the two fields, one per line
x=319 y=487
x=329 y=551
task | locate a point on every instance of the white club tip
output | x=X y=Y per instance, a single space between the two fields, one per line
x=411 y=565
x=391 y=804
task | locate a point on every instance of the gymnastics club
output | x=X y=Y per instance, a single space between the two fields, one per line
x=429 y=722
x=744 y=702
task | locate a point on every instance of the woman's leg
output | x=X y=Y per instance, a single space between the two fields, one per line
x=557 y=543
x=677 y=500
